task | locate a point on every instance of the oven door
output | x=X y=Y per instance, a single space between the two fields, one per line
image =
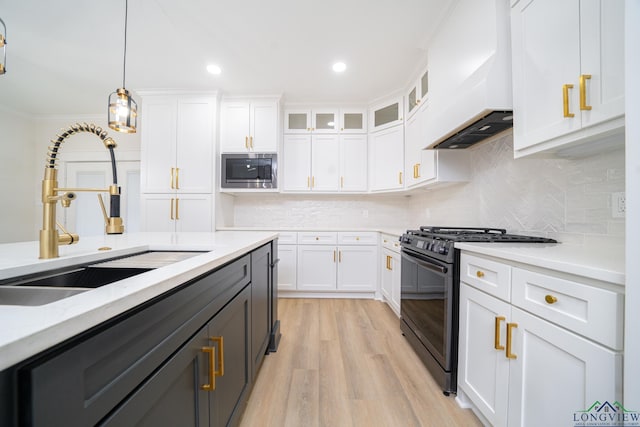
x=427 y=304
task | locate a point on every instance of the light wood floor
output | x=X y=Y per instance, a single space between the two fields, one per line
x=344 y=362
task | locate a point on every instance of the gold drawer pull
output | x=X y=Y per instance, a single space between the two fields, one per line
x=212 y=375
x=497 y=345
x=510 y=327
x=550 y=299
x=479 y=274
x=583 y=92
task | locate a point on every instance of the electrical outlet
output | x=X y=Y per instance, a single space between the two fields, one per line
x=365 y=213
x=618 y=205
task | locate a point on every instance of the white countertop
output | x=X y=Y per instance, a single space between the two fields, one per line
x=605 y=263
x=27 y=331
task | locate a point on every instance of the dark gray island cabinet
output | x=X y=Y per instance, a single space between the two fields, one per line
x=187 y=358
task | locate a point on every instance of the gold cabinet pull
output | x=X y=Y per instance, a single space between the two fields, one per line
x=565 y=100
x=479 y=274
x=246 y=142
x=400 y=178
x=171 y=214
x=339 y=256
x=173 y=178
x=308 y=182
x=496 y=344
x=313 y=181
x=177 y=208
x=389 y=267
x=583 y=91
x=510 y=327
x=334 y=256
x=213 y=372
x=177 y=178
x=211 y=386
x=251 y=142
x=550 y=299
x=342 y=182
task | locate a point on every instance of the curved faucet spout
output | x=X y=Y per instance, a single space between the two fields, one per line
x=50 y=239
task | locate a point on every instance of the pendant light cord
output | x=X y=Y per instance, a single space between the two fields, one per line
x=124 y=62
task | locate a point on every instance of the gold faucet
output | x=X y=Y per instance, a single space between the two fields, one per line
x=50 y=239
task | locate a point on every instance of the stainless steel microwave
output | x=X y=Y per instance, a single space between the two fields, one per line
x=249 y=170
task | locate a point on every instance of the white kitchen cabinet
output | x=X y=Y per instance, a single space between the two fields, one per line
x=288 y=255
x=390 y=277
x=325 y=265
x=386 y=159
x=568 y=73
x=353 y=120
x=325 y=163
x=417 y=94
x=177 y=212
x=178 y=139
x=386 y=114
x=353 y=163
x=325 y=120
x=296 y=166
x=520 y=366
x=249 y=125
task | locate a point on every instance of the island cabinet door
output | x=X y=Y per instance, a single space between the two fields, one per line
x=173 y=396
x=260 y=305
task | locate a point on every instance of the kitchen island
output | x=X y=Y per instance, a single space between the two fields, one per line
x=217 y=290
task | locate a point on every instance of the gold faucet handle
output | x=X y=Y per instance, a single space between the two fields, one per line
x=113 y=225
x=66 y=238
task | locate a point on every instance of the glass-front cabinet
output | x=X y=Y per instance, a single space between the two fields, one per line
x=325 y=120
x=386 y=114
x=417 y=93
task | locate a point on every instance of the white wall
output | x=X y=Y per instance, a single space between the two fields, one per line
x=566 y=199
x=18 y=202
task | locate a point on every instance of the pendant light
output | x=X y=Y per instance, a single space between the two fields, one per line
x=123 y=110
x=3 y=46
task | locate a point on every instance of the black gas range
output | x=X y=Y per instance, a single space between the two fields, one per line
x=429 y=297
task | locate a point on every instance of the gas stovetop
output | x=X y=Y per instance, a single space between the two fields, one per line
x=439 y=241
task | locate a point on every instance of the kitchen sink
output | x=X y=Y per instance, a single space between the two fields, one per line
x=36 y=295
x=50 y=286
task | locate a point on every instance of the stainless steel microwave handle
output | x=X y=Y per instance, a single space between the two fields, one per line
x=427 y=265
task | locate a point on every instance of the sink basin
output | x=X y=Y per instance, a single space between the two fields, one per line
x=85 y=277
x=34 y=296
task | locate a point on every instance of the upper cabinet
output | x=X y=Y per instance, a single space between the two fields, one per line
x=249 y=125
x=568 y=73
x=417 y=93
x=386 y=159
x=178 y=139
x=325 y=120
x=386 y=114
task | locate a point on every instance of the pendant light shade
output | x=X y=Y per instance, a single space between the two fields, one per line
x=123 y=110
x=3 y=46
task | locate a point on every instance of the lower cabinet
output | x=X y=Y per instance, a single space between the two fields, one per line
x=203 y=383
x=520 y=369
x=390 y=278
x=187 y=358
x=324 y=264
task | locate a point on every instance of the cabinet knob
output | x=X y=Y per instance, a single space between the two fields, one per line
x=357 y=238
x=479 y=274
x=550 y=299
x=317 y=238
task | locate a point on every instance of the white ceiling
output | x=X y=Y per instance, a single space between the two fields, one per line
x=66 y=56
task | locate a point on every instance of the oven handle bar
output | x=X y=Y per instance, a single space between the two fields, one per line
x=425 y=264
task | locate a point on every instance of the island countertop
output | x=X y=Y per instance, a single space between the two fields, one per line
x=28 y=330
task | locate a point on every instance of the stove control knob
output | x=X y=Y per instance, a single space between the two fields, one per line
x=444 y=250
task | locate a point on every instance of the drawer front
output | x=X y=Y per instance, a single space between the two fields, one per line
x=357 y=238
x=391 y=242
x=592 y=312
x=318 y=238
x=287 y=238
x=489 y=276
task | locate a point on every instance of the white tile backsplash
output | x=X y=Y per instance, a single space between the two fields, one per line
x=567 y=199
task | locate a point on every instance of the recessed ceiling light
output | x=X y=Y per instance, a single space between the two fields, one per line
x=339 y=67
x=214 y=69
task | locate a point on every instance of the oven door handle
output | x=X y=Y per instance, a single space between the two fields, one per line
x=427 y=265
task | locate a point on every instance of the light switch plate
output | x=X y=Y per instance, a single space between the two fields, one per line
x=618 y=205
